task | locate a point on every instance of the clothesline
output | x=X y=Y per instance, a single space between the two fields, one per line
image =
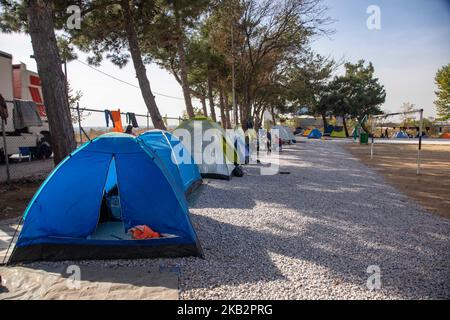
x=102 y=111
x=122 y=113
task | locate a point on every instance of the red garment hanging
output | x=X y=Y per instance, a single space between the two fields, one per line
x=117 y=119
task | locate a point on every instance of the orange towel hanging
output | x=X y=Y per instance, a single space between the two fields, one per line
x=117 y=119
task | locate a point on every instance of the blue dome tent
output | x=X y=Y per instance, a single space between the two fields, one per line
x=66 y=219
x=328 y=130
x=315 y=134
x=401 y=135
x=176 y=158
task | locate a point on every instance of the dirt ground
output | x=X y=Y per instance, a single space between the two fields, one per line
x=398 y=163
x=14 y=198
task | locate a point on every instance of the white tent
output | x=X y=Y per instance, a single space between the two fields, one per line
x=237 y=138
x=290 y=133
x=210 y=147
x=284 y=133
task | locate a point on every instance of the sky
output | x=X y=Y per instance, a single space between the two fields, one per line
x=413 y=42
x=101 y=92
x=408 y=49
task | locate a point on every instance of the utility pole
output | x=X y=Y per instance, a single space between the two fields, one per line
x=235 y=113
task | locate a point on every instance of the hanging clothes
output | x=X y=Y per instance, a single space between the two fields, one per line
x=131 y=119
x=108 y=117
x=117 y=121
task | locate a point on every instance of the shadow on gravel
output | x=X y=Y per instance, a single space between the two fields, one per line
x=344 y=253
x=333 y=212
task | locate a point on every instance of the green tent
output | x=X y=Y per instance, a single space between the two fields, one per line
x=338 y=132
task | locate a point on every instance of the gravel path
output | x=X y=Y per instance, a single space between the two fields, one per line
x=311 y=234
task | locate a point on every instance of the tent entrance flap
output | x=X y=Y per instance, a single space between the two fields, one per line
x=110 y=224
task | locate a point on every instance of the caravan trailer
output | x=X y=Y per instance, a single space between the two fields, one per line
x=17 y=82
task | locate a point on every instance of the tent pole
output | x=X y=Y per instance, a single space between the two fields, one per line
x=420 y=141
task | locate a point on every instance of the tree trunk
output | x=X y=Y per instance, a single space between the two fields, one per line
x=211 y=99
x=245 y=107
x=345 y=126
x=325 y=122
x=242 y=113
x=228 y=115
x=227 y=110
x=183 y=66
x=223 y=118
x=41 y=28
x=204 y=107
x=272 y=112
x=258 y=118
x=243 y=116
x=141 y=72
x=236 y=116
x=257 y=123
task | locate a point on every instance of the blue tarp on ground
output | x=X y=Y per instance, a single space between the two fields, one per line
x=315 y=134
x=174 y=155
x=66 y=208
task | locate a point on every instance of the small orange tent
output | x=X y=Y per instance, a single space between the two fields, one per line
x=445 y=135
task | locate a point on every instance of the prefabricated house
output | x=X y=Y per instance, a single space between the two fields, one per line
x=17 y=82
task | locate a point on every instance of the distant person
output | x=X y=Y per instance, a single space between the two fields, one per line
x=129 y=130
x=269 y=141
x=386 y=134
x=257 y=146
x=44 y=150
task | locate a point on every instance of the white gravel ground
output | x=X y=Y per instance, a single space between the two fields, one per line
x=311 y=234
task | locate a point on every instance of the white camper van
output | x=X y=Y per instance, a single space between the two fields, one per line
x=16 y=82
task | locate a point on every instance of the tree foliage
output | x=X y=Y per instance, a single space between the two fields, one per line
x=442 y=102
x=355 y=94
x=267 y=43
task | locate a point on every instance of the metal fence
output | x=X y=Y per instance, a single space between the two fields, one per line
x=26 y=154
x=90 y=123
